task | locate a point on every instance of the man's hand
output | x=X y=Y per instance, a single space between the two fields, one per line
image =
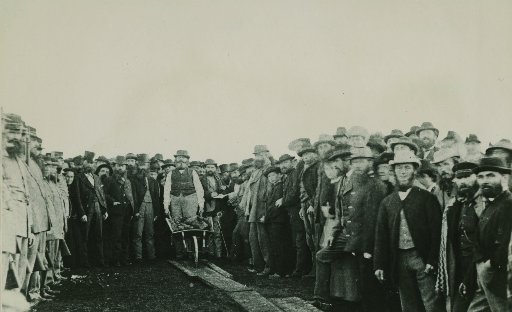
x=301 y=213
x=330 y=240
x=429 y=269
x=83 y=219
x=262 y=219
x=463 y=290
x=367 y=255
x=214 y=194
x=167 y=212
x=31 y=238
x=311 y=210
x=137 y=215
x=223 y=187
x=279 y=202
x=117 y=203
x=105 y=216
x=379 y=274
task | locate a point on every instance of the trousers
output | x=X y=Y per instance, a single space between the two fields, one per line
x=485 y=299
x=94 y=235
x=143 y=232
x=258 y=239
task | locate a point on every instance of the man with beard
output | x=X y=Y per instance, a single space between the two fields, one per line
x=407 y=238
x=120 y=203
x=428 y=135
x=382 y=169
x=341 y=136
x=494 y=228
x=462 y=221
x=77 y=223
x=214 y=186
x=503 y=150
x=168 y=166
x=228 y=218
x=104 y=172
x=41 y=222
x=254 y=205
x=291 y=203
x=183 y=194
x=93 y=202
x=18 y=191
x=473 y=152
x=427 y=176
x=147 y=196
x=241 y=249
x=358 y=136
x=324 y=144
x=308 y=182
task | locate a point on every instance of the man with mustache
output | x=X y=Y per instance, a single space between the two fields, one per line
x=214 y=186
x=93 y=202
x=462 y=221
x=254 y=206
x=183 y=194
x=407 y=238
x=428 y=135
x=494 y=228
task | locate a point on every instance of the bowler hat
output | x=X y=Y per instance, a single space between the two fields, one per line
x=406 y=141
x=167 y=163
x=78 y=160
x=361 y=152
x=297 y=144
x=427 y=168
x=154 y=166
x=472 y=138
x=427 y=125
x=182 y=153
x=89 y=156
x=376 y=144
x=142 y=158
x=383 y=158
x=159 y=157
x=464 y=169
x=224 y=168
x=358 y=131
x=412 y=131
x=284 y=157
x=492 y=164
x=131 y=156
x=103 y=166
x=207 y=162
x=504 y=144
x=405 y=157
x=233 y=167
x=120 y=160
x=395 y=133
x=102 y=159
x=340 y=151
x=444 y=154
x=305 y=149
x=271 y=169
x=340 y=132
x=246 y=163
x=260 y=149
x=325 y=138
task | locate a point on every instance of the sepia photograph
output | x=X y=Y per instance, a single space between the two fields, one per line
x=256 y=156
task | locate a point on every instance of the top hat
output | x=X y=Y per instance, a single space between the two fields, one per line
x=89 y=156
x=258 y=149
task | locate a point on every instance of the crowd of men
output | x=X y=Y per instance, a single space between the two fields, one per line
x=403 y=221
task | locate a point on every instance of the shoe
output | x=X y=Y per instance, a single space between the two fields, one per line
x=265 y=272
x=52 y=292
x=46 y=295
x=251 y=269
x=274 y=276
x=322 y=305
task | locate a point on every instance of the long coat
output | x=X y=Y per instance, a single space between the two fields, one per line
x=213 y=205
x=118 y=189
x=358 y=202
x=309 y=178
x=89 y=193
x=275 y=214
x=253 y=200
x=423 y=214
x=76 y=210
x=291 y=190
x=139 y=189
x=38 y=198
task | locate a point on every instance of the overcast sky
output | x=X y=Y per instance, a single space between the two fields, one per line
x=218 y=77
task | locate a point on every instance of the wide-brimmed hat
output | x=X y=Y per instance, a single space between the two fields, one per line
x=504 y=144
x=383 y=158
x=340 y=151
x=102 y=159
x=258 y=149
x=224 y=168
x=159 y=157
x=307 y=148
x=405 y=157
x=297 y=144
x=427 y=168
x=376 y=144
x=406 y=141
x=472 y=138
x=361 y=152
x=131 y=156
x=395 y=133
x=427 y=125
x=142 y=158
x=284 y=157
x=167 y=163
x=103 y=166
x=208 y=162
x=325 y=138
x=340 y=132
x=182 y=153
x=444 y=154
x=246 y=163
x=464 y=169
x=120 y=160
x=233 y=167
x=492 y=164
x=358 y=131
x=412 y=131
x=13 y=122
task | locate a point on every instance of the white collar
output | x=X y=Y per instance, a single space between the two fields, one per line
x=403 y=195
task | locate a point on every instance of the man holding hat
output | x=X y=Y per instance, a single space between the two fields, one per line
x=93 y=202
x=428 y=135
x=183 y=193
x=407 y=238
x=462 y=221
x=494 y=228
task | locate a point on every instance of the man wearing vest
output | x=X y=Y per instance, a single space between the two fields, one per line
x=183 y=194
